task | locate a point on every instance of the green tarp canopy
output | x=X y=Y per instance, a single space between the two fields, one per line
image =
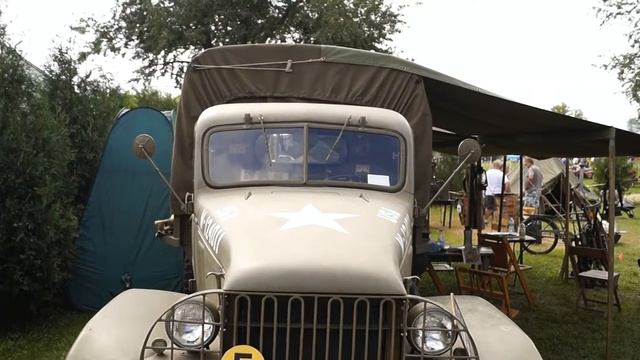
x=117 y=248
x=440 y=109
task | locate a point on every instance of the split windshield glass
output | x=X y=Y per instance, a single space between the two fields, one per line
x=277 y=155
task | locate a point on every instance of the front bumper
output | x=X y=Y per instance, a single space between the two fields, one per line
x=126 y=327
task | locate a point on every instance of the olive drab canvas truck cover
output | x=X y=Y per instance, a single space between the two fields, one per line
x=301 y=73
x=117 y=248
x=429 y=100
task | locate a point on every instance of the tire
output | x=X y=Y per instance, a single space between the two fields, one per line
x=546 y=233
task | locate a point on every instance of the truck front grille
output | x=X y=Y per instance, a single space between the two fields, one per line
x=314 y=327
x=286 y=326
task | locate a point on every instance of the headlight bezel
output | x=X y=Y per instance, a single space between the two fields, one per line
x=417 y=322
x=171 y=322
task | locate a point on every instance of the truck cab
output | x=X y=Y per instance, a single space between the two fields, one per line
x=289 y=196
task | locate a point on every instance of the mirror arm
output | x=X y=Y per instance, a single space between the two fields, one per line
x=183 y=206
x=462 y=164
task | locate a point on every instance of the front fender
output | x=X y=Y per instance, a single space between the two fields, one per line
x=119 y=329
x=495 y=335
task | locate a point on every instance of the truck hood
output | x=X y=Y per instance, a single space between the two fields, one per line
x=345 y=241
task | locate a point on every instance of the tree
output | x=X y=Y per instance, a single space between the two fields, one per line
x=85 y=104
x=627 y=65
x=166 y=34
x=37 y=221
x=633 y=125
x=624 y=172
x=564 y=109
x=444 y=166
x=152 y=98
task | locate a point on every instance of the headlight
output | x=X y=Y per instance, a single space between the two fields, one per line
x=432 y=330
x=190 y=325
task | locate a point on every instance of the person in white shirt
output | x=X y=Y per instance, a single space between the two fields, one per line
x=494 y=186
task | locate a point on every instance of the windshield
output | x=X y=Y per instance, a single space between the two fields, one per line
x=275 y=155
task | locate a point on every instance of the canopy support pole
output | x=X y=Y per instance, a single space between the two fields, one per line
x=564 y=269
x=610 y=237
x=504 y=175
x=521 y=192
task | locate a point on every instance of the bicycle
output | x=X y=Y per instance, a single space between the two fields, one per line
x=548 y=229
x=544 y=229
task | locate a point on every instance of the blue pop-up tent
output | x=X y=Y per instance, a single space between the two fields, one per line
x=117 y=248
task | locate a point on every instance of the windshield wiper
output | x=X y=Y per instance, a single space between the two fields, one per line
x=338 y=138
x=266 y=141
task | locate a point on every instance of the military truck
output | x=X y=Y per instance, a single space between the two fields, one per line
x=301 y=176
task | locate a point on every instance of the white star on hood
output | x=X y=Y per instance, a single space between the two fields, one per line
x=310 y=215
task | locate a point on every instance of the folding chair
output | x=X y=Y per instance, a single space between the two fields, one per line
x=504 y=260
x=588 y=278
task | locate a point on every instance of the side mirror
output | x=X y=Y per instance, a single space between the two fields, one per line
x=469 y=147
x=143 y=146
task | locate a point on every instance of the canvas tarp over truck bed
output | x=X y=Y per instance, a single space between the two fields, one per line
x=318 y=73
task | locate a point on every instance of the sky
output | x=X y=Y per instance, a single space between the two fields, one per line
x=539 y=53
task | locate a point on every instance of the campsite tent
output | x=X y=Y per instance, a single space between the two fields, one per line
x=553 y=173
x=117 y=248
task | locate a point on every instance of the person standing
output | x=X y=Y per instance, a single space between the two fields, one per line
x=494 y=187
x=533 y=184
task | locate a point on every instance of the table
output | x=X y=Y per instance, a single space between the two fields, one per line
x=451 y=255
x=513 y=239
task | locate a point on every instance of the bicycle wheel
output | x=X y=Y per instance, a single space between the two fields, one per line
x=546 y=233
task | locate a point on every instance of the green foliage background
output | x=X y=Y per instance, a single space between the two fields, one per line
x=626 y=65
x=624 y=171
x=445 y=164
x=52 y=132
x=165 y=35
x=37 y=221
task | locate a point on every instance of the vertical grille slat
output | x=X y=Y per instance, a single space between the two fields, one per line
x=356 y=330
x=328 y=329
x=392 y=333
x=379 y=348
x=315 y=327
x=302 y=327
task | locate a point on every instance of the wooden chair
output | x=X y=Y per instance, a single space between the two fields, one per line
x=487 y=284
x=590 y=278
x=504 y=261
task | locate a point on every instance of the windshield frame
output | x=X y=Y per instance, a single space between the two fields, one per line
x=305 y=176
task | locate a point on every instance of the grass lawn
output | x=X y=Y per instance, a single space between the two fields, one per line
x=558 y=330
x=47 y=339
x=555 y=326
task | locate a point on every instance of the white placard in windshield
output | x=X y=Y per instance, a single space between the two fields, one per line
x=382 y=180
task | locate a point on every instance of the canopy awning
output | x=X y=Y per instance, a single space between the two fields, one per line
x=503 y=126
x=441 y=110
x=507 y=127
